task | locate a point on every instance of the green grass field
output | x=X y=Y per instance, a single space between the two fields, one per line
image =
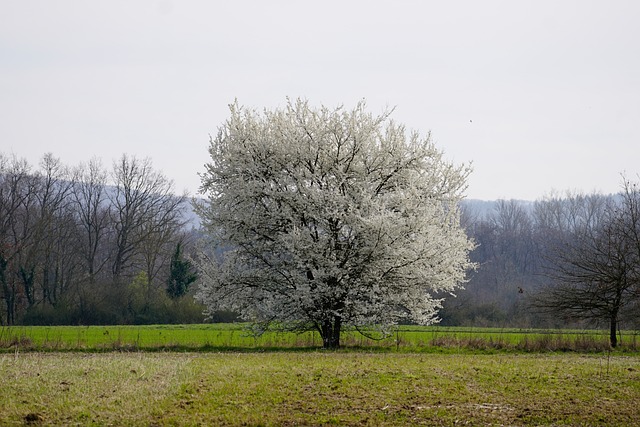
x=236 y=337
x=352 y=388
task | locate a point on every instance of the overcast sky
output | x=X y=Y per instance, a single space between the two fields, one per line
x=539 y=95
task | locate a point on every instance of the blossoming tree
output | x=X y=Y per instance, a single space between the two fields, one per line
x=329 y=218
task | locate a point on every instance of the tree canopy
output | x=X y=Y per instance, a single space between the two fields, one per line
x=329 y=218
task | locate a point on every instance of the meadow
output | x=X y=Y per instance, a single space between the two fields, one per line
x=318 y=388
x=200 y=375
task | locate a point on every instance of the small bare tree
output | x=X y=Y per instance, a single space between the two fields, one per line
x=594 y=267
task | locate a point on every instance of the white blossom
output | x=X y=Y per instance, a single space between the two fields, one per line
x=330 y=218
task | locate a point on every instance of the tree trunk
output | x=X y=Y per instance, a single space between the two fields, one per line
x=8 y=293
x=9 y=296
x=330 y=332
x=613 y=329
x=10 y=310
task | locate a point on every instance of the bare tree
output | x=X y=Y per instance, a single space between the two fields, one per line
x=53 y=256
x=145 y=212
x=17 y=201
x=513 y=225
x=92 y=212
x=594 y=266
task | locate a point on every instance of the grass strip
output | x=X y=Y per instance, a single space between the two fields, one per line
x=236 y=337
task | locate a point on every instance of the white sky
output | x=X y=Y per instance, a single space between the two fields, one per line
x=539 y=95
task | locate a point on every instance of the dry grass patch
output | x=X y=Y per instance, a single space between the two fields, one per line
x=86 y=389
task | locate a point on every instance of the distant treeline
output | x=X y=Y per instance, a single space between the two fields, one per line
x=518 y=245
x=90 y=244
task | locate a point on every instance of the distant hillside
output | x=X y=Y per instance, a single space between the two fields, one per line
x=480 y=209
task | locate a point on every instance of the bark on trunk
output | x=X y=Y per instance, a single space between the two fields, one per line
x=613 y=327
x=330 y=331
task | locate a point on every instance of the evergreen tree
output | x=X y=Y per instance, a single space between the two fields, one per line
x=181 y=274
